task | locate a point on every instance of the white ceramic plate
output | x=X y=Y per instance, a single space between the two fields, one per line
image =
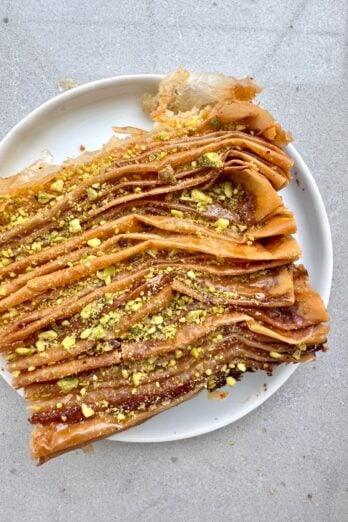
x=84 y=116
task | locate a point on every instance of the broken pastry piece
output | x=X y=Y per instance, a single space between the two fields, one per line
x=134 y=277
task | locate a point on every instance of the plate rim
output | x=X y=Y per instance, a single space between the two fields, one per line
x=324 y=225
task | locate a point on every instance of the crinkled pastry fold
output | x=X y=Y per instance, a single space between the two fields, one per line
x=133 y=277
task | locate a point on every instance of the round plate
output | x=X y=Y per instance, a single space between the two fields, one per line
x=84 y=116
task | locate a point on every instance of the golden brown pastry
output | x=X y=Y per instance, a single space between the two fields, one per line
x=133 y=277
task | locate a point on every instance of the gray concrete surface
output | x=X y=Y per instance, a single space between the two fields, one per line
x=287 y=461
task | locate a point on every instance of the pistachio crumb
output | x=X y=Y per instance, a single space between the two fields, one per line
x=94 y=242
x=58 y=186
x=275 y=355
x=48 y=335
x=137 y=377
x=91 y=193
x=221 y=224
x=69 y=341
x=177 y=213
x=74 y=226
x=24 y=351
x=87 y=411
x=67 y=384
x=210 y=159
x=86 y=333
x=195 y=353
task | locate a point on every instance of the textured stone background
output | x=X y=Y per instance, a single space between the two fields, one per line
x=286 y=461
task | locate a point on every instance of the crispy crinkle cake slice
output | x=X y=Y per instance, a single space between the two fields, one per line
x=136 y=276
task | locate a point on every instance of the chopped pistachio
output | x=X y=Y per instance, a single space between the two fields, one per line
x=69 y=341
x=177 y=213
x=230 y=381
x=195 y=353
x=211 y=384
x=95 y=242
x=200 y=197
x=217 y=309
x=91 y=193
x=211 y=159
x=68 y=383
x=87 y=411
x=137 y=377
x=275 y=355
x=196 y=316
x=36 y=246
x=58 y=186
x=167 y=175
x=74 y=226
x=109 y=271
x=16 y=373
x=86 y=333
x=40 y=345
x=191 y=123
x=104 y=319
x=25 y=351
x=157 y=319
x=191 y=274
x=98 y=332
x=91 y=310
x=164 y=135
x=48 y=335
x=228 y=190
x=133 y=305
x=208 y=371
x=120 y=417
x=221 y=223
x=44 y=197
x=106 y=274
x=7 y=252
x=241 y=367
x=125 y=373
